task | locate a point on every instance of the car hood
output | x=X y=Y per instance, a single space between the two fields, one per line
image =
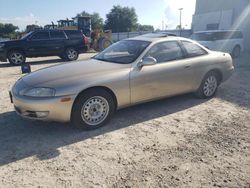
x=64 y=73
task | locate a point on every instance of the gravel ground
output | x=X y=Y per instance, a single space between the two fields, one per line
x=176 y=142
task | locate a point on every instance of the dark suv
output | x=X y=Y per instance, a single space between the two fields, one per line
x=67 y=44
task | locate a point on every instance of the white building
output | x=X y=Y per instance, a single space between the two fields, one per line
x=223 y=15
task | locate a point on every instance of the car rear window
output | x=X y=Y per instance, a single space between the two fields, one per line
x=57 y=35
x=193 y=50
x=73 y=34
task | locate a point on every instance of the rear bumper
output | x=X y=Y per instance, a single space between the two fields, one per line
x=49 y=109
x=83 y=49
x=227 y=73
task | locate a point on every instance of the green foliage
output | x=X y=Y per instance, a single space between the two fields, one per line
x=96 y=20
x=121 y=19
x=7 y=30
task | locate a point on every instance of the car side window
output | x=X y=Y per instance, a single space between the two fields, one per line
x=193 y=50
x=166 y=51
x=44 y=35
x=57 y=35
x=73 y=34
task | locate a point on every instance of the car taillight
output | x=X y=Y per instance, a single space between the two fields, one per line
x=85 y=40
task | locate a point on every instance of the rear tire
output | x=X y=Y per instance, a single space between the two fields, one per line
x=209 y=86
x=16 y=58
x=103 y=43
x=236 y=52
x=71 y=54
x=92 y=109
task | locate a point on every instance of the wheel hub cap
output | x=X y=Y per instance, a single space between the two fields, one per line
x=71 y=54
x=17 y=58
x=210 y=86
x=95 y=110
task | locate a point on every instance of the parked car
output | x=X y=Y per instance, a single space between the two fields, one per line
x=225 y=41
x=66 y=44
x=129 y=72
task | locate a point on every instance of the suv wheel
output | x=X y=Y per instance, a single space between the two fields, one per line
x=92 y=109
x=71 y=54
x=208 y=86
x=16 y=58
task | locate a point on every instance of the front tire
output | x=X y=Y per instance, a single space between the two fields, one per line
x=16 y=58
x=71 y=54
x=92 y=109
x=208 y=87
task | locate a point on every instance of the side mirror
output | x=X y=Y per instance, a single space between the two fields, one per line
x=147 y=61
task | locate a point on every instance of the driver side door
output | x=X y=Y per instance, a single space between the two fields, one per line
x=171 y=74
x=39 y=44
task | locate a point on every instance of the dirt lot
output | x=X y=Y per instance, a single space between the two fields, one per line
x=177 y=142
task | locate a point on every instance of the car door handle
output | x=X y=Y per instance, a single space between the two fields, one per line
x=187 y=66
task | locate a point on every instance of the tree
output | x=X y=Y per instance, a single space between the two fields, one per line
x=6 y=30
x=96 y=20
x=145 y=27
x=121 y=19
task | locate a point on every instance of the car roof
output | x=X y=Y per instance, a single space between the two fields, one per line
x=157 y=39
x=216 y=31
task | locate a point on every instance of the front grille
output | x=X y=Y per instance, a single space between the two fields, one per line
x=30 y=114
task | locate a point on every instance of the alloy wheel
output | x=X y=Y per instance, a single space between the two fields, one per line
x=17 y=58
x=210 y=86
x=72 y=54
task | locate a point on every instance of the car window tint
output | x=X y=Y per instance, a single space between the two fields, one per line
x=193 y=50
x=166 y=51
x=124 y=52
x=41 y=36
x=57 y=35
x=74 y=34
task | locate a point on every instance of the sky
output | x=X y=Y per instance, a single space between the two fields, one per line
x=158 y=13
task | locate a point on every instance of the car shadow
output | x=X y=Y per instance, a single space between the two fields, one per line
x=21 y=138
x=237 y=89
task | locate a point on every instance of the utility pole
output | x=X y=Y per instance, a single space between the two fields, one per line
x=180 y=9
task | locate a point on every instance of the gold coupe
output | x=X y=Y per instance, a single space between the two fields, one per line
x=129 y=72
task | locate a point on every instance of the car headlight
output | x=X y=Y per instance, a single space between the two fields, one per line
x=39 y=92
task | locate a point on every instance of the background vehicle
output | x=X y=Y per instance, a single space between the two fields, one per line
x=67 y=44
x=225 y=41
x=99 y=39
x=129 y=72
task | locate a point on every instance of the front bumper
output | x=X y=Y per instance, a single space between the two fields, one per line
x=45 y=109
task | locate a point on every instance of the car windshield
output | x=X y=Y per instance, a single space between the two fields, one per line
x=26 y=35
x=123 y=52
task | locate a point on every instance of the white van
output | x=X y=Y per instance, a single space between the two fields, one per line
x=225 y=41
